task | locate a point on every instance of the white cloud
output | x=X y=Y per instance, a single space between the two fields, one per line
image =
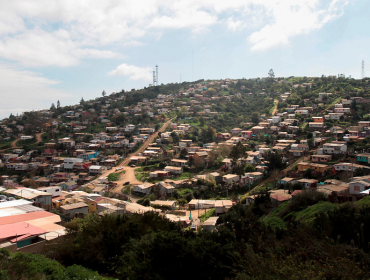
x=291 y=18
x=22 y=89
x=133 y=72
x=62 y=32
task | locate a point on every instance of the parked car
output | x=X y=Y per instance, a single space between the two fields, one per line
x=133 y=165
x=126 y=183
x=10 y=199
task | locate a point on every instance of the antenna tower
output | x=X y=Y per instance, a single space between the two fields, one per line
x=363 y=69
x=156 y=74
x=154 y=78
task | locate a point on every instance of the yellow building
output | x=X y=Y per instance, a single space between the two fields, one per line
x=321 y=168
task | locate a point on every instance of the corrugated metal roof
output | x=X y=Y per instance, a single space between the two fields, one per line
x=13 y=203
x=25 y=217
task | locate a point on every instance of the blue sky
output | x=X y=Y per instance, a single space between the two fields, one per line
x=67 y=49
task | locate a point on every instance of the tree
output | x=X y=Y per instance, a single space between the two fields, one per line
x=58 y=104
x=103 y=93
x=271 y=74
x=249 y=168
x=275 y=161
x=119 y=118
x=52 y=107
x=201 y=121
x=238 y=151
x=255 y=117
x=82 y=101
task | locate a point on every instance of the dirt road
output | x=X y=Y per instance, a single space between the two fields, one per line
x=129 y=175
x=14 y=143
x=276 y=108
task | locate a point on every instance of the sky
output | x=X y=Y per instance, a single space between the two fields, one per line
x=66 y=50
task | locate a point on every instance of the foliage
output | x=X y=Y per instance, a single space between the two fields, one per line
x=275 y=161
x=204 y=217
x=35 y=267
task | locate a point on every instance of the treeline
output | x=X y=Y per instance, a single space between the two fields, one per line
x=334 y=246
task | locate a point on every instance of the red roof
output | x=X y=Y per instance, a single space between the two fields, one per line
x=296 y=192
x=99 y=198
x=19 y=231
x=279 y=197
x=24 y=217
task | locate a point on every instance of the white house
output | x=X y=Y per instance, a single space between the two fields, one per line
x=129 y=128
x=70 y=162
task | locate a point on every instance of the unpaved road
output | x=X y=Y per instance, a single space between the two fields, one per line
x=276 y=108
x=129 y=176
x=14 y=143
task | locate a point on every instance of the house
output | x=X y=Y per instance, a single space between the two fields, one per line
x=74 y=208
x=287 y=180
x=43 y=198
x=70 y=162
x=247 y=134
x=308 y=183
x=129 y=128
x=316 y=124
x=223 y=136
x=236 y=131
x=359 y=185
x=166 y=204
x=166 y=188
x=173 y=169
x=333 y=149
x=200 y=159
x=348 y=166
x=363 y=157
x=319 y=168
x=230 y=178
x=227 y=163
x=318 y=119
x=145 y=188
x=321 y=158
x=53 y=190
x=201 y=204
x=279 y=196
x=222 y=206
x=29 y=229
x=179 y=162
x=210 y=224
x=299 y=149
x=96 y=170
x=255 y=175
x=159 y=173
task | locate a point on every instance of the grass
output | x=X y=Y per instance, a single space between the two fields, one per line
x=126 y=189
x=115 y=176
x=184 y=191
x=5 y=146
x=141 y=175
x=273 y=220
x=308 y=215
x=364 y=201
x=204 y=217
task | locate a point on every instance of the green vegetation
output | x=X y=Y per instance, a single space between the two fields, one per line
x=126 y=189
x=115 y=176
x=204 y=217
x=35 y=267
x=309 y=238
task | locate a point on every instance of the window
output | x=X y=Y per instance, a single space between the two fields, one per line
x=57 y=190
x=357 y=188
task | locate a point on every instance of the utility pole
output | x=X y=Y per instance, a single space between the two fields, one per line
x=363 y=69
